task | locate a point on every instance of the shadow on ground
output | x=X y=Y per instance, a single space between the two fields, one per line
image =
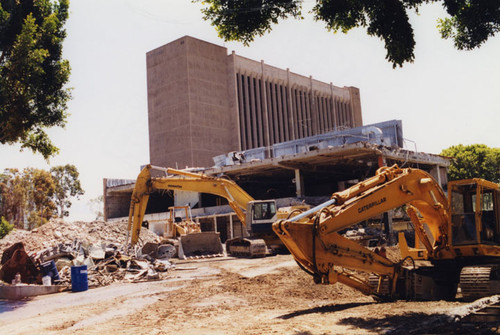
x=420 y=323
x=324 y=309
x=10 y=305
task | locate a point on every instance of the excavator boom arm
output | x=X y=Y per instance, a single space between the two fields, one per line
x=184 y=181
x=315 y=243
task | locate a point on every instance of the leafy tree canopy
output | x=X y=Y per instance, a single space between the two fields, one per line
x=470 y=24
x=473 y=161
x=31 y=197
x=32 y=72
x=67 y=185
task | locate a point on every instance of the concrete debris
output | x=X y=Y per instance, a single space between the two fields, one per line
x=166 y=251
x=86 y=233
x=96 y=252
x=51 y=250
x=368 y=237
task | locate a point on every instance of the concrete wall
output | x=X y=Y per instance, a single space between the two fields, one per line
x=188 y=103
x=115 y=205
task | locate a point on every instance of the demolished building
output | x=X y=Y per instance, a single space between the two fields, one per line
x=306 y=170
x=278 y=134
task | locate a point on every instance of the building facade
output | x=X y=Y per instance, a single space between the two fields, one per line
x=203 y=102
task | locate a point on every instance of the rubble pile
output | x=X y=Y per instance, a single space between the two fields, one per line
x=368 y=237
x=58 y=231
x=100 y=246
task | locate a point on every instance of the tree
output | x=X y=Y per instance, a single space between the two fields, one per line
x=13 y=197
x=473 y=161
x=67 y=185
x=32 y=72
x=470 y=24
x=40 y=189
x=27 y=197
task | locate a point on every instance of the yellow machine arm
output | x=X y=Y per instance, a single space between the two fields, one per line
x=315 y=243
x=184 y=181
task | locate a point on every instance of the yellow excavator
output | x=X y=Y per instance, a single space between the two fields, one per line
x=457 y=238
x=256 y=215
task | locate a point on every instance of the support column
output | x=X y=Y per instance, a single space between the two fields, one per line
x=334 y=108
x=291 y=108
x=340 y=186
x=215 y=223
x=231 y=230
x=314 y=111
x=299 y=184
x=381 y=161
x=436 y=173
x=263 y=89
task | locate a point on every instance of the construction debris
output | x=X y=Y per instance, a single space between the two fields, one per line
x=47 y=254
x=17 y=266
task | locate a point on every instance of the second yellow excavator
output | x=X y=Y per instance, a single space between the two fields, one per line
x=256 y=215
x=458 y=237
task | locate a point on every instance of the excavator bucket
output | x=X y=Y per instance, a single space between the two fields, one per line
x=204 y=244
x=246 y=247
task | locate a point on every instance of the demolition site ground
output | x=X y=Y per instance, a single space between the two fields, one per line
x=221 y=295
x=230 y=296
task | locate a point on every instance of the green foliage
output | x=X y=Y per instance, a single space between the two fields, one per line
x=473 y=161
x=30 y=198
x=237 y=20
x=13 y=196
x=5 y=227
x=471 y=22
x=32 y=72
x=67 y=185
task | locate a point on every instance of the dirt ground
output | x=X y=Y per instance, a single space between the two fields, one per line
x=229 y=296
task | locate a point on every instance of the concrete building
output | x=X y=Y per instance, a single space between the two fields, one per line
x=203 y=102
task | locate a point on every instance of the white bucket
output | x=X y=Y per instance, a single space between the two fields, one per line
x=46 y=280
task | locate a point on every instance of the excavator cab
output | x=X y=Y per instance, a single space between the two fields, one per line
x=475 y=233
x=475 y=205
x=261 y=215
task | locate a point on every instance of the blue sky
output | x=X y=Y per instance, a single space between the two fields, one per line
x=445 y=97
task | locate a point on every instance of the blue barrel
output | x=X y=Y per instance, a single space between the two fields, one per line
x=49 y=269
x=79 y=279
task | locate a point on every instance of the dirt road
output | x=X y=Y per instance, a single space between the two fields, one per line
x=228 y=296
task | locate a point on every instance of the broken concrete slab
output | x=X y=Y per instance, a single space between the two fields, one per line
x=96 y=252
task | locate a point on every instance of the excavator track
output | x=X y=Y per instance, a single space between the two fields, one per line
x=479 y=281
x=246 y=247
x=383 y=292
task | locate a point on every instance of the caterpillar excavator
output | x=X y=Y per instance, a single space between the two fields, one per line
x=256 y=215
x=457 y=238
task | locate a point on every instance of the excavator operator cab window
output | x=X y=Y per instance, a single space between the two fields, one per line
x=463 y=199
x=466 y=208
x=489 y=216
x=264 y=210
